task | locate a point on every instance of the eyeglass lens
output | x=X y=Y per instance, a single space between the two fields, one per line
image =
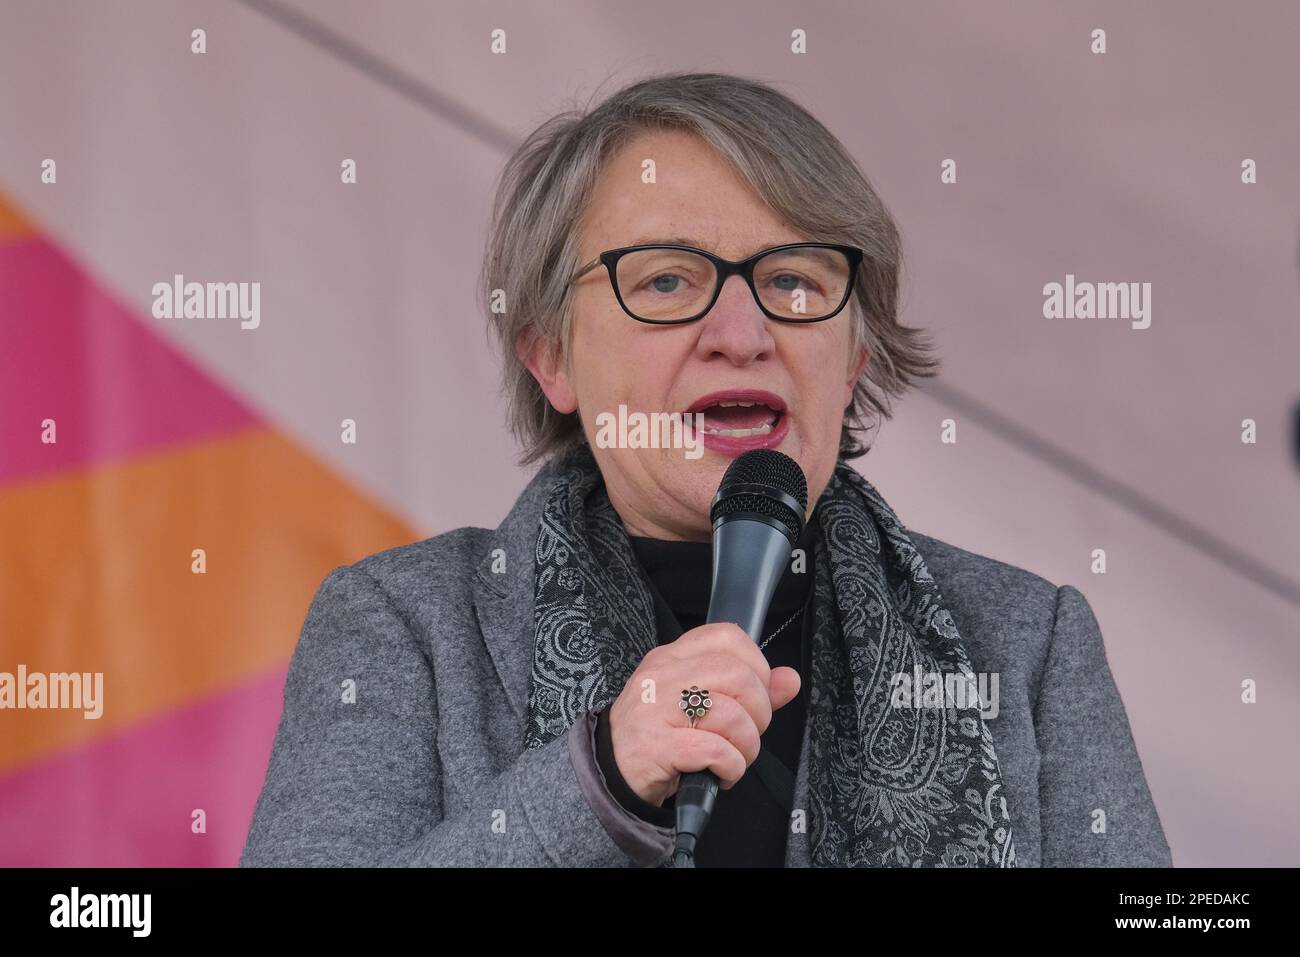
x=799 y=285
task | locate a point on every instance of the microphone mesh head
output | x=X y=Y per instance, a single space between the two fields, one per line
x=773 y=478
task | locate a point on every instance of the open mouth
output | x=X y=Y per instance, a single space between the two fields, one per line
x=740 y=414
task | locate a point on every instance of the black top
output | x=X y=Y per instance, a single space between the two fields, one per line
x=750 y=821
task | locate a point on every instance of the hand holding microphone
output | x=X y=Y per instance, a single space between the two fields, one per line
x=758 y=516
x=653 y=744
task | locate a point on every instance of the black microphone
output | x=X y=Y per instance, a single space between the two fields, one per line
x=758 y=516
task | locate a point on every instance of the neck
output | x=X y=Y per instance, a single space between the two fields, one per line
x=640 y=525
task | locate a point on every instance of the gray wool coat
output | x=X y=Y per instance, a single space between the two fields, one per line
x=427 y=766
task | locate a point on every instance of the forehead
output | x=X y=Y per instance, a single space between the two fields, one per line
x=690 y=195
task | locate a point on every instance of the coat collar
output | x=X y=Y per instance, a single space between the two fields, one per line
x=503 y=588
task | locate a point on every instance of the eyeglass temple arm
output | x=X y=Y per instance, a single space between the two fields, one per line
x=585 y=269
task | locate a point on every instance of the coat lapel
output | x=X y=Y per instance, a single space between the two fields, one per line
x=503 y=591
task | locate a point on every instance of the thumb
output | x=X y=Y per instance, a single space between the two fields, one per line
x=784 y=686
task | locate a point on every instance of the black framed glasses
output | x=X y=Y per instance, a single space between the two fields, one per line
x=667 y=284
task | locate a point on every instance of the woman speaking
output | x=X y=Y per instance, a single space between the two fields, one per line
x=697 y=249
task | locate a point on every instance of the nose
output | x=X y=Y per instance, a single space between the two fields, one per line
x=735 y=328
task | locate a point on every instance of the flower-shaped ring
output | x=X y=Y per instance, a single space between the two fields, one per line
x=695 y=703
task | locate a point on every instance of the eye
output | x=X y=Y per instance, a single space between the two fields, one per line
x=665 y=282
x=789 y=282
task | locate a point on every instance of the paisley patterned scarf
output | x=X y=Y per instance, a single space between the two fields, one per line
x=889 y=786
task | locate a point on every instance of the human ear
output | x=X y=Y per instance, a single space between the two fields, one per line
x=856 y=368
x=543 y=360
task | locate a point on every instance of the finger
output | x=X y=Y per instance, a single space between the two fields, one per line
x=784 y=687
x=696 y=750
x=726 y=674
x=729 y=719
x=722 y=638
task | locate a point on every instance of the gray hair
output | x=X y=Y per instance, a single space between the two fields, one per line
x=787 y=156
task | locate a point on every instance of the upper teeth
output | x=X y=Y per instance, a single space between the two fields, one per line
x=737 y=402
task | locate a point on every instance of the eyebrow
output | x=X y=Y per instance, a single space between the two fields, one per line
x=674 y=240
x=689 y=241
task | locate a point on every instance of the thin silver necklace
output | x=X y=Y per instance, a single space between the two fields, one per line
x=781 y=629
